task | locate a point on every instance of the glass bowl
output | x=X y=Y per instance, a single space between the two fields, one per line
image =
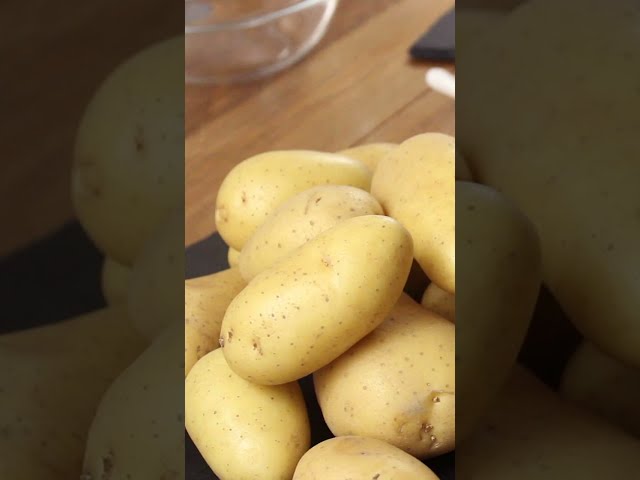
x=229 y=41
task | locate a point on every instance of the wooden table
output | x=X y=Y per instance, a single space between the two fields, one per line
x=358 y=86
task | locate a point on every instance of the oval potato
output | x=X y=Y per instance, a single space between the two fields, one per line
x=233 y=257
x=404 y=373
x=314 y=305
x=500 y=268
x=128 y=170
x=258 y=185
x=605 y=386
x=115 y=282
x=244 y=431
x=369 y=154
x=532 y=434
x=301 y=218
x=205 y=301
x=362 y=458
x=415 y=184
x=438 y=301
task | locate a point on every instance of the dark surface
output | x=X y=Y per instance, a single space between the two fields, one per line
x=438 y=44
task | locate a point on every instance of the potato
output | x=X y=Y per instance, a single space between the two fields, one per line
x=463 y=172
x=415 y=185
x=314 y=305
x=604 y=386
x=233 y=257
x=51 y=383
x=300 y=219
x=369 y=154
x=258 y=185
x=244 y=431
x=155 y=289
x=362 y=458
x=205 y=301
x=586 y=209
x=532 y=434
x=500 y=269
x=115 y=282
x=404 y=375
x=438 y=301
x=138 y=430
x=128 y=169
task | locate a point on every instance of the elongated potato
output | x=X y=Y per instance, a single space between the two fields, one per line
x=415 y=185
x=532 y=434
x=550 y=162
x=115 y=282
x=314 y=305
x=233 y=257
x=301 y=218
x=404 y=372
x=128 y=170
x=362 y=458
x=244 y=431
x=155 y=289
x=258 y=185
x=51 y=381
x=605 y=386
x=438 y=301
x=205 y=301
x=500 y=269
x=138 y=431
x=369 y=154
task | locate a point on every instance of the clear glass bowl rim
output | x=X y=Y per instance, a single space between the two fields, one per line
x=256 y=20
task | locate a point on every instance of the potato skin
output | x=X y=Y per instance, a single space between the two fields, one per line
x=314 y=305
x=500 y=266
x=244 y=431
x=604 y=386
x=369 y=154
x=301 y=218
x=258 y=185
x=138 y=430
x=128 y=169
x=233 y=257
x=438 y=301
x=415 y=185
x=362 y=458
x=404 y=372
x=115 y=282
x=205 y=301
x=531 y=434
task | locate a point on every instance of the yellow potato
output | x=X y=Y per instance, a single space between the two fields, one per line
x=369 y=154
x=301 y=218
x=51 y=381
x=314 y=305
x=415 y=185
x=115 y=282
x=362 y=458
x=463 y=172
x=397 y=384
x=438 y=301
x=155 y=289
x=205 y=301
x=128 y=169
x=138 y=430
x=500 y=269
x=604 y=386
x=244 y=431
x=258 y=185
x=586 y=208
x=531 y=434
x=233 y=257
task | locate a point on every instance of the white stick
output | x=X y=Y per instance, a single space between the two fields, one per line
x=441 y=81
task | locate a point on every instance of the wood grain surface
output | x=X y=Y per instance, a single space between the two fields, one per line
x=358 y=86
x=53 y=58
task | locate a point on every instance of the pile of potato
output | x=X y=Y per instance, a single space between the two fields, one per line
x=321 y=247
